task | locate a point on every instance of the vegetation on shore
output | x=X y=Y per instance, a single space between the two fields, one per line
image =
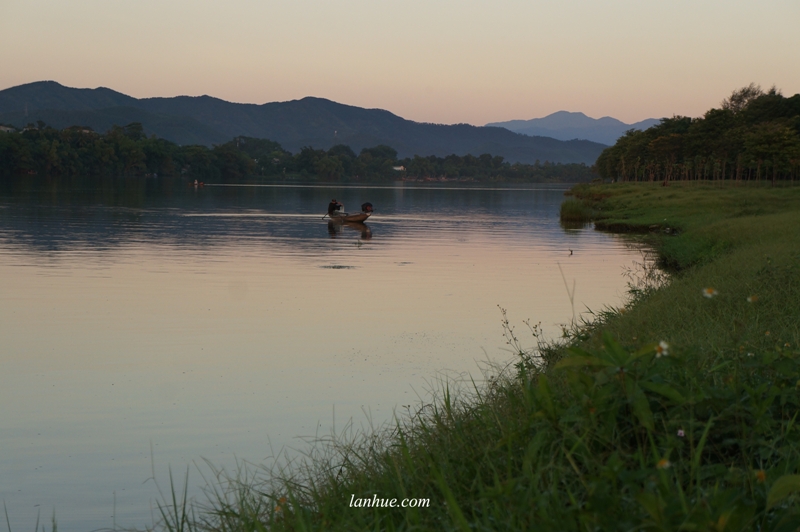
x=573 y=210
x=752 y=136
x=79 y=151
x=677 y=412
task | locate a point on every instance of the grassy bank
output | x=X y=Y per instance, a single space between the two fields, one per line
x=678 y=411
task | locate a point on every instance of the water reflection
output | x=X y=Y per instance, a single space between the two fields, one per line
x=335 y=229
x=226 y=321
x=83 y=215
x=574 y=227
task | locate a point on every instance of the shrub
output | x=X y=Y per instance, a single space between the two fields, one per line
x=575 y=210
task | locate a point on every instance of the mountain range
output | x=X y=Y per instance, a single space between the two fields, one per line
x=314 y=122
x=565 y=125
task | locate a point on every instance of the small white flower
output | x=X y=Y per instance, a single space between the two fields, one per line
x=662 y=349
x=681 y=434
x=709 y=292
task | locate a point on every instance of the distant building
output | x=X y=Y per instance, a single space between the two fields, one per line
x=399 y=168
x=6 y=129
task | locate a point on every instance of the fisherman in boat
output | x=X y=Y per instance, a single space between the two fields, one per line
x=336 y=213
x=334 y=206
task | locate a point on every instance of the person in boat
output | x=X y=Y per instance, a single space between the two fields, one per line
x=334 y=206
x=366 y=207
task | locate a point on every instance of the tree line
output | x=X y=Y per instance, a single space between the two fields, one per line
x=128 y=151
x=122 y=151
x=753 y=135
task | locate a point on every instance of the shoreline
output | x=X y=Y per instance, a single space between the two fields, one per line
x=677 y=410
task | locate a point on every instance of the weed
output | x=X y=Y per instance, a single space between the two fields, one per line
x=575 y=210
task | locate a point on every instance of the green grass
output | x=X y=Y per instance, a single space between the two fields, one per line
x=595 y=431
x=573 y=210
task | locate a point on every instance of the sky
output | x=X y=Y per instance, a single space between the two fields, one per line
x=440 y=61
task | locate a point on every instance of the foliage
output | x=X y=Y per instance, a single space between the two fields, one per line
x=753 y=136
x=78 y=150
x=574 y=210
x=492 y=168
x=127 y=150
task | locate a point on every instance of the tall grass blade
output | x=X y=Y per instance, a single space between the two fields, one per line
x=783 y=487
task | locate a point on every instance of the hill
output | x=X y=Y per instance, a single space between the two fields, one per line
x=564 y=125
x=294 y=124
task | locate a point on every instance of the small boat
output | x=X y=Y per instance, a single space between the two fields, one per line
x=340 y=217
x=337 y=214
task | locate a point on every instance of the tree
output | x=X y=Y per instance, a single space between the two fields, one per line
x=420 y=167
x=306 y=160
x=381 y=152
x=346 y=157
x=329 y=166
x=774 y=145
x=741 y=98
x=377 y=162
x=233 y=164
x=752 y=131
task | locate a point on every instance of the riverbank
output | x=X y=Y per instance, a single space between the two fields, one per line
x=677 y=411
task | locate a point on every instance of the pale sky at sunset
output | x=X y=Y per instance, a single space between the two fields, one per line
x=444 y=61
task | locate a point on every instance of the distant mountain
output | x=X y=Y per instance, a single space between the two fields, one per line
x=315 y=122
x=564 y=125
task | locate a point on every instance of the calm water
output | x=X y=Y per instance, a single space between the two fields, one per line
x=226 y=322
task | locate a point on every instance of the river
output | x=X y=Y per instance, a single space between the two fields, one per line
x=147 y=324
